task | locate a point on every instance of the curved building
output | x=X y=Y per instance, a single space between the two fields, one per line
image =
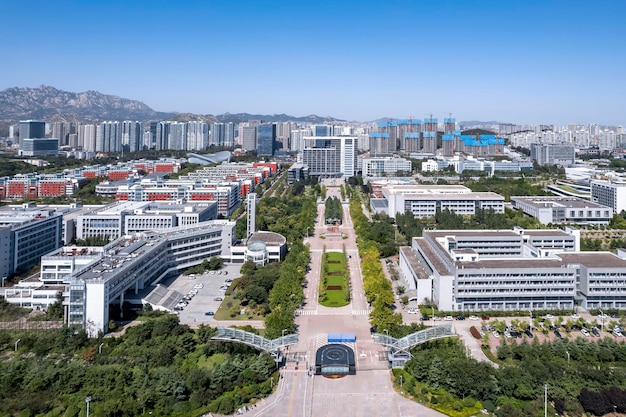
x=261 y=248
x=208 y=159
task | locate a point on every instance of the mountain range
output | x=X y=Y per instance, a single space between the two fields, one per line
x=54 y=105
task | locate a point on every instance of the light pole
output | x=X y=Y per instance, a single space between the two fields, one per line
x=432 y=308
x=386 y=331
x=283 y=333
x=3 y=278
x=100 y=348
x=531 y=319
x=400 y=380
x=545 y=400
x=17 y=342
x=88 y=400
x=567 y=357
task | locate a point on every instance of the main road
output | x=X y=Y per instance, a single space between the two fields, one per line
x=368 y=393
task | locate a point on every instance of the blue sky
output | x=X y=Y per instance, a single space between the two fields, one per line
x=511 y=61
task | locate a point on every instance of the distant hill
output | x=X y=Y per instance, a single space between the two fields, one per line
x=50 y=104
x=244 y=117
x=479 y=125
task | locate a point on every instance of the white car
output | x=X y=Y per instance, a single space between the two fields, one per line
x=548 y=316
x=507 y=335
x=448 y=318
x=412 y=311
x=575 y=316
x=617 y=332
x=602 y=316
x=585 y=332
x=473 y=318
x=495 y=334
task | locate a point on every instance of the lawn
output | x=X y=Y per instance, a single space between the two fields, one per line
x=335 y=286
x=230 y=309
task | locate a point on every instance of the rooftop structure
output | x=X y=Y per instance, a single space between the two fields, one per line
x=512 y=270
x=553 y=210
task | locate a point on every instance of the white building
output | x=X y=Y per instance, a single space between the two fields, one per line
x=331 y=156
x=426 y=200
x=473 y=270
x=609 y=193
x=378 y=167
x=117 y=219
x=563 y=210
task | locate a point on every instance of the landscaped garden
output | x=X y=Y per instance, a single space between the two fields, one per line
x=335 y=283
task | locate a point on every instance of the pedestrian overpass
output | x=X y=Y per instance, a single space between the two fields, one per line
x=230 y=334
x=399 y=349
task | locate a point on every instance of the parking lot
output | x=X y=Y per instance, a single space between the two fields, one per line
x=207 y=289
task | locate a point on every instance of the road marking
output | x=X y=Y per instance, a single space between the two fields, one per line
x=293 y=388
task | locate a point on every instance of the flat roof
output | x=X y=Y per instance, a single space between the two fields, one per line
x=416 y=265
x=487 y=195
x=594 y=259
x=557 y=202
x=432 y=256
x=511 y=263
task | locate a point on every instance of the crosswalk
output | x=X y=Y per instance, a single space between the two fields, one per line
x=305 y=312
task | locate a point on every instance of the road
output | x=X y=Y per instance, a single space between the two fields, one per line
x=368 y=393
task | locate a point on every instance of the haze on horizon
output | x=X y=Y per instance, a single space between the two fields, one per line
x=528 y=62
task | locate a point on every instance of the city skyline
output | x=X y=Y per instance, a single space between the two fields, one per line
x=530 y=63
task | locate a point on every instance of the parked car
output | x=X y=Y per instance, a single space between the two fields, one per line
x=412 y=311
x=209 y=313
x=617 y=332
x=424 y=318
x=448 y=318
x=460 y=317
x=495 y=334
x=473 y=317
x=584 y=332
x=595 y=332
x=528 y=333
x=602 y=316
x=218 y=299
x=558 y=334
x=575 y=316
x=507 y=335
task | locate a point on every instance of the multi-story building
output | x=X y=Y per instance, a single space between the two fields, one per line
x=26 y=234
x=133 y=263
x=330 y=156
x=32 y=129
x=553 y=154
x=426 y=200
x=378 y=167
x=609 y=193
x=266 y=139
x=477 y=270
x=554 y=210
x=39 y=147
x=119 y=219
x=248 y=137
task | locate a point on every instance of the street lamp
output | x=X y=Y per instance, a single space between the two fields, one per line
x=567 y=357
x=386 y=331
x=100 y=348
x=432 y=308
x=88 y=400
x=3 y=278
x=400 y=380
x=283 y=333
x=17 y=343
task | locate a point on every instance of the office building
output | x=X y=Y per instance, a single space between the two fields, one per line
x=426 y=200
x=562 y=154
x=385 y=166
x=330 y=156
x=118 y=219
x=39 y=147
x=32 y=129
x=554 y=210
x=477 y=270
x=26 y=234
x=609 y=193
x=266 y=139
